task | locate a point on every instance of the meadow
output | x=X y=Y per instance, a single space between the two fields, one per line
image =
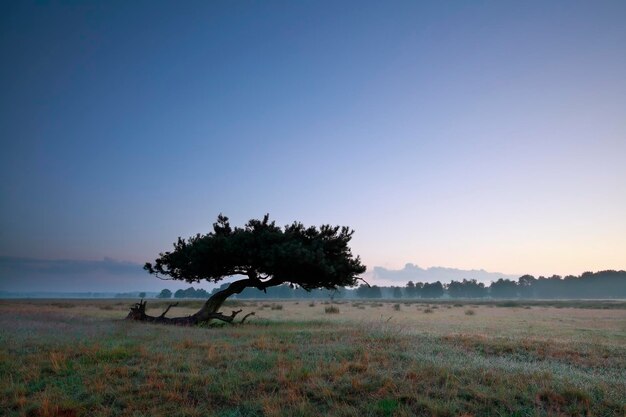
x=308 y=358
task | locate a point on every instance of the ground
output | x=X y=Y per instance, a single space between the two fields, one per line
x=79 y=358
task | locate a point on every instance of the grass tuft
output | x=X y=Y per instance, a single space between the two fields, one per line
x=331 y=310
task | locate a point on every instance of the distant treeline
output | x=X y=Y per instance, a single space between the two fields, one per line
x=599 y=285
x=190 y=292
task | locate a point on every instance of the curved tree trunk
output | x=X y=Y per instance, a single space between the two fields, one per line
x=214 y=303
x=209 y=310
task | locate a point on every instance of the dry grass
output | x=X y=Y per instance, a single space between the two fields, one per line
x=80 y=359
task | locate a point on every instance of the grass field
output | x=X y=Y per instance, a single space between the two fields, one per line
x=79 y=358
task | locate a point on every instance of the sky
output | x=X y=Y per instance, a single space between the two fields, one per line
x=473 y=135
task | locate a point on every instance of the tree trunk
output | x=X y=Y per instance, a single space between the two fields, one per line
x=209 y=310
x=138 y=312
x=214 y=303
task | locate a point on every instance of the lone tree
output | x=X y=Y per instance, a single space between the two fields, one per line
x=266 y=255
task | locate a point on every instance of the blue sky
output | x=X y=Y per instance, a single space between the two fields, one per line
x=461 y=134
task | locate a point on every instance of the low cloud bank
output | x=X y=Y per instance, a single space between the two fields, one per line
x=109 y=275
x=411 y=272
x=67 y=275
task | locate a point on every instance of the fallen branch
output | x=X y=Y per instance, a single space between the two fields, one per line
x=138 y=312
x=168 y=309
x=245 y=317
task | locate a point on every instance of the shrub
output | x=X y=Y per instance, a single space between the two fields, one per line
x=508 y=304
x=312 y=304
x=428 y=310
x=331 y=310
x=396 y=307
x=63 y=305
x=277 y=306
x=469 y=312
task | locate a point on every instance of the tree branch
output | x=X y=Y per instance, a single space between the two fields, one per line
x=245 y=317
x=168 y=309
x=270 y=283
x=366 y=283
x=227 y=319
x=163 y=279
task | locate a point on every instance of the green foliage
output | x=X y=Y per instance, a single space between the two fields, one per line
x=590 y=285
x=503 y=288
x=413 y=290
x=191 y=292
x=165 y=293
x=432 y=290
x=366 y=291
x=308 y=257
x=387 y=407
x=601 y=284
x=397 y=292
x=467 y=289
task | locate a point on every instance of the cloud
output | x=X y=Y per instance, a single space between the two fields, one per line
x=10 y=265
x=67 y=275
x=411 y=272
x=109 y=275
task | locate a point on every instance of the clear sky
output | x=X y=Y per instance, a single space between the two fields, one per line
x=485 y=134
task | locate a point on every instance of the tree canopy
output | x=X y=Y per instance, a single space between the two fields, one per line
x=265 y=254
x=268 y=255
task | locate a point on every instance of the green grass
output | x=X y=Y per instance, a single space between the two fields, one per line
x=57 y=360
